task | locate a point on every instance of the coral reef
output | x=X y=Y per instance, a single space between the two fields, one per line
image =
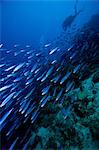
x=79 y=129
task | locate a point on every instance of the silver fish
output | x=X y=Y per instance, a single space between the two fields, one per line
x=34 y=115
x=8 y=69
x=18 y=67
x=29 y=81
x=34 y=67
x=45 y=100
x=18 y=79
x=65 y=78
x=7 y=99
x=56 y=79
x=30 y=93
x=49 y=71
x=2 y=65
x=53 y=50
x=1 y=45
x=53 y=62
x=45 y=90
x=59 y=95
x=76 y=68
x=36 y=71
x=69 y=86
x=47 y=45
x=13 y=144
x=26 y=107
x=5 y=87
x=5 y=116
x=43 y=79
x=39 y=78
x=30 y=109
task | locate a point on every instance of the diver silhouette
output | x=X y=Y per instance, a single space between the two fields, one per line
x=70 y=19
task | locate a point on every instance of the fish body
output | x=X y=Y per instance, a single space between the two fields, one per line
x=5 y=116
x=56 y=79
x=49 y=71
x=5 y=87
x=65 y=78
x=47 y=45
x=7 y=99
x=45 y=101
x=10 y=68
x=33 y=68
x=53 y=51
x=45 y=90
x=13 y=144
x=76 y=68
x=59 y=95
x=18 y=67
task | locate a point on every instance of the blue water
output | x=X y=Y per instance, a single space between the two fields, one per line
x=31 y=24
x=27 y=22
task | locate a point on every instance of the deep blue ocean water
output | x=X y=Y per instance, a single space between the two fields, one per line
x=32 y=37
x=27 y=22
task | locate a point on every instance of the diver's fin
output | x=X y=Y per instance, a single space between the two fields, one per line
x=78 y=12
x=75 y=7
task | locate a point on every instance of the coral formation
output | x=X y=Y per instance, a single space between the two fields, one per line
x=79 y=130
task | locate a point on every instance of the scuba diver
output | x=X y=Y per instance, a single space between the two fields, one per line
x=70 y=19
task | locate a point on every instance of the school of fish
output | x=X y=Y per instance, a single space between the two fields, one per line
x=29 y=80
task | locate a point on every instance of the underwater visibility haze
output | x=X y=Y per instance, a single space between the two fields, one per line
x=49 y=74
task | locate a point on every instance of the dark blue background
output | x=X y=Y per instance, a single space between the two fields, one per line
x=28 y=22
